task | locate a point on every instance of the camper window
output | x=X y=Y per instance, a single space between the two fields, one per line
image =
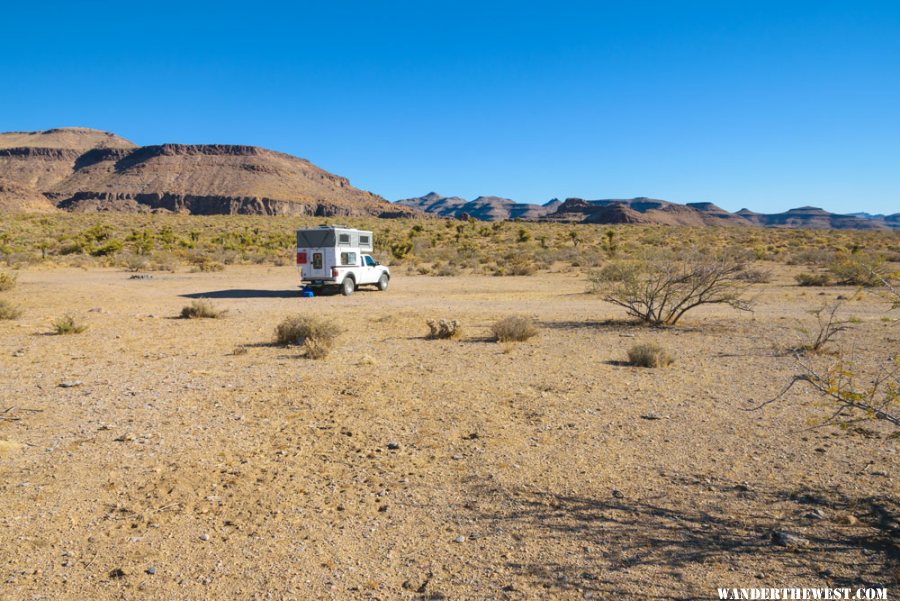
x=348 y=259
x=363 y=240
x=343 y=238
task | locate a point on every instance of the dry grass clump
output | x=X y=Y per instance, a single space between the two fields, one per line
x=67 y=324
x=514 y=329
x=200 y=309
x=444 y=329
x=316 y=335
x=649 y=354
x=7 y=281
x=9 y=311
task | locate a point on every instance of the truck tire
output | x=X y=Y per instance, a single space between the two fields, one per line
x=383 y=282
x=348 y=286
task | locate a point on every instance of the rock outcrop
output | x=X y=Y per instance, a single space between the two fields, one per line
x=95 y=171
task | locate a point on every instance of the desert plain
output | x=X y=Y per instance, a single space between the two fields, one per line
x=151 y=457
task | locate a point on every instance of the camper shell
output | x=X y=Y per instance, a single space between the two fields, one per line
x=334 y=255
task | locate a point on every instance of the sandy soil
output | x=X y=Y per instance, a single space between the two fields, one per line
x=546 y=469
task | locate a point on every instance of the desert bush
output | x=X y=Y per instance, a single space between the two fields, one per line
x=857 y=270
x=755 y=275
x=444 y=329
x=201 y=309
x=812 y=256
x=660 y=289
x=514 y=329
x=649 y=355
x=67 y=324
x=813 y=279
x=204 y=263
x=7 y=280
x=848 y=399
x=133 y=262
x=445 y=270
x=316 y=335
x=108 y=248
x=826 y=328
x=9 y=311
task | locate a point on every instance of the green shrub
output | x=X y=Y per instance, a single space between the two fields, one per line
x=514 y=329
x=201 y=308
x=67 y=324
x=110 y=247
x=857 y=270
x=9 y=311
x=649 y=355
x=317 y=336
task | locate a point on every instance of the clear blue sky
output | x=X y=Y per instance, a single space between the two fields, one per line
x=761 y=104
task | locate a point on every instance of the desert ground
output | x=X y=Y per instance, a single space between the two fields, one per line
x=151 y=457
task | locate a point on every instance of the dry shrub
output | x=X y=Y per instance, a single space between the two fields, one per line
x=813 y=279
x=659 y=288
x=754 y=275
x=9 y=311
x=200 y=309
x=444 y=329
x=649 y=354
x=7 y=280
x=514 y=329
x=827 y=327
x=205 y=264
x=316 y=335
x=67 y=324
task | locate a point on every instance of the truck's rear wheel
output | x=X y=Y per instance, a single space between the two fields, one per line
x=348 y=286
x=383 y=282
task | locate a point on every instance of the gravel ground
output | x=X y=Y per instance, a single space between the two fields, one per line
x=193 y=459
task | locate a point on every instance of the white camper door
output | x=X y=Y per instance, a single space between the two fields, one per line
x=317 y=268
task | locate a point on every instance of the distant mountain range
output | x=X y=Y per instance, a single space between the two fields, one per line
x=485 y=208
x=86 y=170
x=643 y=210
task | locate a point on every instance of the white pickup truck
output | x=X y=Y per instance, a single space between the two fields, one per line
x=333 y=255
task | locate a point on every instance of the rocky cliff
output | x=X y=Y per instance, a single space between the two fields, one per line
x=95 y=171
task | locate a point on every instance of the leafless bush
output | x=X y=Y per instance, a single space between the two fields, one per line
x=514 y=329
x=826 y=328
x=444 y=329
x=660 y=289
x=201 y=309
x=316 y=335
x=649 y=355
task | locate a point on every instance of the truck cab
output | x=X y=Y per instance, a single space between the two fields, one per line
x=338 y=256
